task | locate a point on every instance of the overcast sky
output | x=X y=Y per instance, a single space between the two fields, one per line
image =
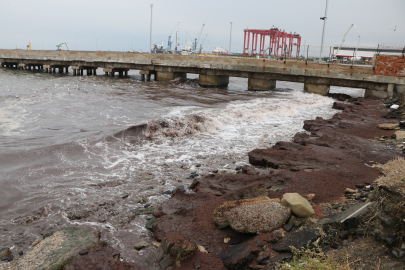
x=115 y=25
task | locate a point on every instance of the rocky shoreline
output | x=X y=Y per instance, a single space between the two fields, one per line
x=332 y=165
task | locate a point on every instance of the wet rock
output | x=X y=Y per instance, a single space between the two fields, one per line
x=360 y=186
x=297 y=239
x=125 y=196
x=215 y=171
x=298 y=205
x=149 y=224
x=220 y=218
x=281 y=258
x=345 y=243
x=239 y=256
x=288 y=227
x=180 y=188
x=141 y=245
x=334 y=245
x=56 y=251
x=198 y=165
x=249 y=170
x=147 y=205
x=21 y=253
x=197 y=266
x=261 y=217
x=166 y=192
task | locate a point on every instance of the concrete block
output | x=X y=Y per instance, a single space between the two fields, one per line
x=261 y=85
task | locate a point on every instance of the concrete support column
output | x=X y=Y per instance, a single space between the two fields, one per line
x=126 y=72
x=94 y=71
x=105 y=73
x=112 y=74
x=47 y=70
x=261 y=85
x=120 y=73
x=67 y=69
x=400 y=90
x=74 y=72
x=81 y=72
x=148 y=77
x=168 y=76
x=142 y=77
x=375 y=93
x=390 y=90
x=320 y=89
x=213 y=80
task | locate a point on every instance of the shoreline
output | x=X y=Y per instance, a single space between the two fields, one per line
x=330 y=149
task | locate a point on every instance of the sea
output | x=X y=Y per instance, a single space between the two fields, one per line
x=90 y=151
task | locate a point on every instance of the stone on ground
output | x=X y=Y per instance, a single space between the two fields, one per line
x=388 y=126
x=141 y=245
x=299 y=205
x=219 y=214
x=55 y=251
x=261 y=217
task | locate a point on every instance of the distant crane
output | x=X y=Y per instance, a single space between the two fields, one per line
x=201 y=45
x=345 y=36
x=395 y=28
x=170 y=42
x=60 y=45
x=198 y=39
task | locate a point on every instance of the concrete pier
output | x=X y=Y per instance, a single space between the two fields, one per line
x=320 y=89
x=168 y=76
x=380 y=80
x=261 y=85
x=213 y=80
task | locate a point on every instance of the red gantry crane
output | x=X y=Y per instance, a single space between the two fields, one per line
x=281 y=44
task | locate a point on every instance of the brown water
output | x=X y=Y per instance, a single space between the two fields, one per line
x=71 y=147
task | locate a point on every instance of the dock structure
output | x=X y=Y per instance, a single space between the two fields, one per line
x=379 y=80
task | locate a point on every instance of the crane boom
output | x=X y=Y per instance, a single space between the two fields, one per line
x=345 y=37
x=169 y=43
x=199 y=35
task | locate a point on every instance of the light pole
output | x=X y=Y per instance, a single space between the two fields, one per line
x=230 y=39
x=150 y=39
x=323 y=31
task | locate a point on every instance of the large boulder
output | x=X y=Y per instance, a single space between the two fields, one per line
x=55 y=251
x=260 y=217
x=219 y=214
x=299 y=205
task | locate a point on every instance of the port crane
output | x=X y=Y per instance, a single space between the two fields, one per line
x=60 y=45
x=170 y=42
x=198 y=39
x=201 y=45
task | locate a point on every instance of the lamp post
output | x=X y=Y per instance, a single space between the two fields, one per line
x=150 y=39
x=230 y=39
x=323 y=31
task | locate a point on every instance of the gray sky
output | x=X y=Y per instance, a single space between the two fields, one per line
x=114 y=25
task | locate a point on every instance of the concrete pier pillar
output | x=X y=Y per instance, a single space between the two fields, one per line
x=147 y=77
x=213 y=80
x=120 y=73
x=376 y=93
x=168 y=76
x=142 y=77
x=74 y=72
x=47 y=70
x=94 y=71
x=81 y=72
x=320 y=89
x=67 y=69
x=112 y=74
x=105 y=73
x=261 y=85
x=126 y=72
x=390 y=90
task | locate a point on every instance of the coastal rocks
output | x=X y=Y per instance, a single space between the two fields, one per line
x=249 y=170
x=220 y=218
x=57 y=250
x=4 y=252
x=261 y=217
x=300 y=206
